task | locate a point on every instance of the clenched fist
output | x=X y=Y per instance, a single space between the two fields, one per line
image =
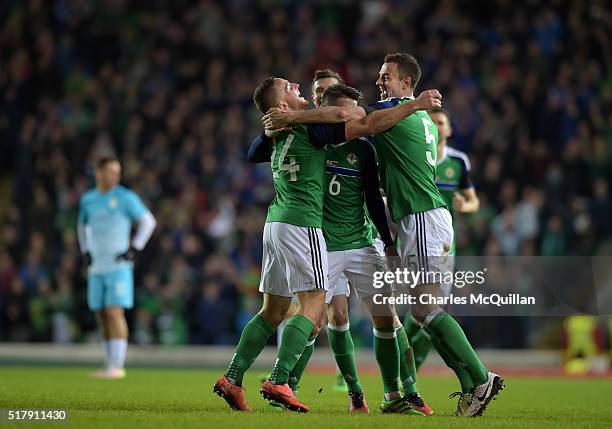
x=429 y=99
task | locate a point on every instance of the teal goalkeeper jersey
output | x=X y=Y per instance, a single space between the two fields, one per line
x=407 y=161
x=108 y=220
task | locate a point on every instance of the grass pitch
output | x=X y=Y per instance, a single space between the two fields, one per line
x=184 y=398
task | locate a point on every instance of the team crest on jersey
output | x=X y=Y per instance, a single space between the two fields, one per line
x=113 y=203
x=449 y=173
x=352 y=158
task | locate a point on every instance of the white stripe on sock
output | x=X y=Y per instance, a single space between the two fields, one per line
x=384 y=335
x=341 y=328
x=431 y=316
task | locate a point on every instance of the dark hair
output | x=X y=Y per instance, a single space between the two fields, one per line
x=339 y=90
x=264 y=96
x=440 y=110
x=322 y=74
x=103 y=162
x=407 y=66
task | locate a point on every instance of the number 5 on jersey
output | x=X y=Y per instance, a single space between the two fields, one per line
x=292 y=167
x=430 y=139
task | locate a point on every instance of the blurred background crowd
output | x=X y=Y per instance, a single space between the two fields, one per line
x=167 y=87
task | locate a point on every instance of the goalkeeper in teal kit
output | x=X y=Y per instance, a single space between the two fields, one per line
x=106 y=215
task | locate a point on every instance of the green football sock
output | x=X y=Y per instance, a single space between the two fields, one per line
x=419 y=340
x=407 y=367
x=411 y=326
x=387 y=356
x=298 y=370
x=341 y=343
x=464 y=377
x=253 y=339
x=448 y=332
x=295 y=337
x=421 y=345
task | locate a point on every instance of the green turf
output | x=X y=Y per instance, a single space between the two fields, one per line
x=184 y=398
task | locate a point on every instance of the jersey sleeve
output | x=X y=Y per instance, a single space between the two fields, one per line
x=82 y=218
x=379 y=105
x=321 y=135
x=81 y=226
x=373 y=199
x=260 y=149
x=466 y=181
x=134 y=205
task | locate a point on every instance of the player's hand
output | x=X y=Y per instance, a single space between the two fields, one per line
x=429 y=99
x=87 y=259
x=128 y=255
x=276 y=118
x=458 y=201
x=272 y=133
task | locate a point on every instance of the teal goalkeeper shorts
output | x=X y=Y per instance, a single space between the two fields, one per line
x=112 y=289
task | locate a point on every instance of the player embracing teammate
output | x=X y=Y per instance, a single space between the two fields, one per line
x=405 y=140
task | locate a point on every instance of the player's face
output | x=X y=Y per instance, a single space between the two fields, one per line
x=443 y=124
x=389 y=82
x=108 y=176
x=319 y=86
x=290 y=94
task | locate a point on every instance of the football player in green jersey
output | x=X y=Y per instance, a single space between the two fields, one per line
x=407 y=160
x=321 y=80
x=352 y=183
x=337 y=312
x=456 y=187
x=295 y=254
x=453 y=169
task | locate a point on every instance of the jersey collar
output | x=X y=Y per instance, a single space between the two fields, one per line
x=443 y=157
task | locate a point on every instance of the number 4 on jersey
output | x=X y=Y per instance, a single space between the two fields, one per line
x=292 y=167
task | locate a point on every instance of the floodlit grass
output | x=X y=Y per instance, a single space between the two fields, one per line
x=184 y=398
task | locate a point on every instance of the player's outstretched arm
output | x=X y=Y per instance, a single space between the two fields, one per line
x=381 y=120
x=276 y=118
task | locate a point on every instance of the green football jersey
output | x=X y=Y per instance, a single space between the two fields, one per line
x=299 y=179
x=407 y=161
x=452 y=175
x=345 y=221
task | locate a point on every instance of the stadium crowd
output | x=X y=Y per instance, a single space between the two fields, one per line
x=167 y=87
